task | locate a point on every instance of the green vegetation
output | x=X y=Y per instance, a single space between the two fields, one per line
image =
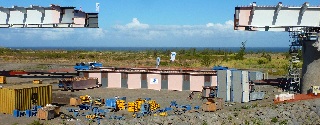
x=36 y=122
x=273 y=63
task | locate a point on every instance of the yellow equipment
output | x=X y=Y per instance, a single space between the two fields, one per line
x=153 y=105
x=120 y=105
x=90 y=116
x=131 y=106
x=138 y=103
x=99 y=102
x=85 y=99
x=3 y=80
x=163 y=114
x=37 y=81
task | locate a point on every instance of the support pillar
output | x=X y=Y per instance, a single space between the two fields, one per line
x=311 y=65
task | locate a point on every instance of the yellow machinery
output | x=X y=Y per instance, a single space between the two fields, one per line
x=131 y=106
x=37 y=81
x=3 y=80
x=90 y=116
x=99 y=102
x=153 y=105
x=85 y=99
x=315 y=90
x=138 y=103
x=120 y=105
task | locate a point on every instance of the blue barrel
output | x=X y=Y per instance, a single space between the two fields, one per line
x=197 y=107
x=16 y=113
x=110 y=103
x=28 y=113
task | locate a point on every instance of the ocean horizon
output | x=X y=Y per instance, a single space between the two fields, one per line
x=232 y=49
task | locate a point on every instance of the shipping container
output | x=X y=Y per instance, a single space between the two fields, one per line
x=154 y=81
x=245 y=96
x=95 y=75
x=22 y=97
x=43 y=114
x=134 y=80
x=79 y=83
x=236 y=86
x=196 y=82
x=224 y=84
x=175 y=82
x=114 y=80
x=3 y=80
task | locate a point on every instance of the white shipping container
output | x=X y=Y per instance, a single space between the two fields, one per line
x=245 y=81
x=245 y=96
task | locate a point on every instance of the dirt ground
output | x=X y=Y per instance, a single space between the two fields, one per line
x=255 y=112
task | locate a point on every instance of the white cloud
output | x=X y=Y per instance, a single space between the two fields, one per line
x=137 y=30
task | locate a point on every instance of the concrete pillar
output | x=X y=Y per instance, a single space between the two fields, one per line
x=311 y=66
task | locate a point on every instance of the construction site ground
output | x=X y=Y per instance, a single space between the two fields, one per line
x=255 y=112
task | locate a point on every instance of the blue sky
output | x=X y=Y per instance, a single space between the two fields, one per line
x=150 y=23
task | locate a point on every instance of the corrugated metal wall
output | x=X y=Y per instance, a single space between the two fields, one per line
x=186 y=82
x=104 y=79
x=236 y=86
x=154 y=81
x=20 y=97
x=114 y=80
x=196 y=82
x=175 y=82
x=144 y=82
x=124 y=80
x=134 y=80
x=164 y=81
x=224 y=84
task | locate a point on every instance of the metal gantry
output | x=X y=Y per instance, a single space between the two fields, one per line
x=294 y=75
x=298 y=37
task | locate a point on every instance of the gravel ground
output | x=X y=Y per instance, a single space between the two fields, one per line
x=256 y=112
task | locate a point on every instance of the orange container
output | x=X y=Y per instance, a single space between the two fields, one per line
x=45 y=114
x=209 y=107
